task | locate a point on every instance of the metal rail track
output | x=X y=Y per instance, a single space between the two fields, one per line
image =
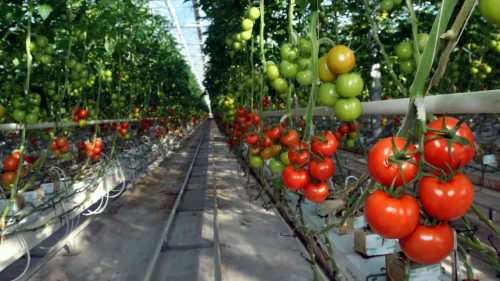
x=162 y=244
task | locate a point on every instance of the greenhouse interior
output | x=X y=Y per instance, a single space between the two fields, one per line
x=263 y=140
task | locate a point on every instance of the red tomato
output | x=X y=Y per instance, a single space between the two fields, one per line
x=383 y=170
x=10 y=163
x=316 y=193
x=428 y=245
x=298 y=155
x=88 y=146
x=80 y=146
x=337 y=135
x=389 y=217
x=294 y=179
x=446 y=201
x=255 y=118
x=436 y=150
x=274 y=133
x=351 y=126
x=324 y=144
x=241 y=111
x=98 y=143
x=96 y=157
x=251 y=139
x=97 y=150
x=8 y=177
x=241 y=119
x=290 y=138
x=248 y=115
x=76 y=118
x=265 y=141
x=64 y=149
x=124 y=125
x=322 y=170
x=83 y=114
x=61 y=141
x=343 y=129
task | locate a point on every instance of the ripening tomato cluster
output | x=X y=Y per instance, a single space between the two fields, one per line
x=265 y=101
x=60 y=148
x=159 y=133
x=122 y=131
x=303 y=166
x=91 y=150
x=444 y=194
x=243 y=122
x=80 y=116
x=347 y=133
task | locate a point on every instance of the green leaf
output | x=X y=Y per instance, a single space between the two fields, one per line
x=44 y=11
x=109 y=44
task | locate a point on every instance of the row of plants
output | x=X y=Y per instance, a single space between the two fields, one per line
x=84 y=83
x=289 y=54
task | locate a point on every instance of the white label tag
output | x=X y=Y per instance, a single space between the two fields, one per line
x=30 y=196
x=428 y=273
x=376 y=245
x=47 y=187
x=359 y=222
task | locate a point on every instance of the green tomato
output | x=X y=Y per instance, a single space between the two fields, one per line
x=51 y=85
x=386 y=5
x=294 y=53
x=82 y=123
x=490 y=10
x=304 y=77
x=33 y=48
x=474 y=70
x=127 y=137
x=247 y=24
x=256 y=161
x=19 y=115
x=254 y=13
x=285 y=51
x=397 y=2
x=272 y=72
x=284 y=158
x=276 y=166
x=406 y=66
x=349 y=85
x=19 y=103
x=34 y=99
x=288 y=69
x=67 y=156
x=328 y=94
x=2 y=111
x=422 y=39
x=280 y=85
x=304 y=63
x=404 y=51
x=49 y=50
x=237 y=46
x=347 y=109
x=31 y=118
x=246 y=35
x=349 y=143
x=305 y=46
x=80 y=67
x=42 y=42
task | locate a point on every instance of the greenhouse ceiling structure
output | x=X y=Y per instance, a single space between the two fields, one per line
x=188 y=27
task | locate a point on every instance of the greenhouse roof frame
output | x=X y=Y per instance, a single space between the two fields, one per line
x=188 y=26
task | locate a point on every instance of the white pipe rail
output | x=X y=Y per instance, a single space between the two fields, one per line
x=20 y=126
x=462 y=103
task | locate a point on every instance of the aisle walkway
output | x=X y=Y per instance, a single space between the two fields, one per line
x=251 y=245
x=238 y=240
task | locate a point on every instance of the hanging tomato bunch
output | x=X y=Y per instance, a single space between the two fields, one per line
x=60 y=148
x=444 y=194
